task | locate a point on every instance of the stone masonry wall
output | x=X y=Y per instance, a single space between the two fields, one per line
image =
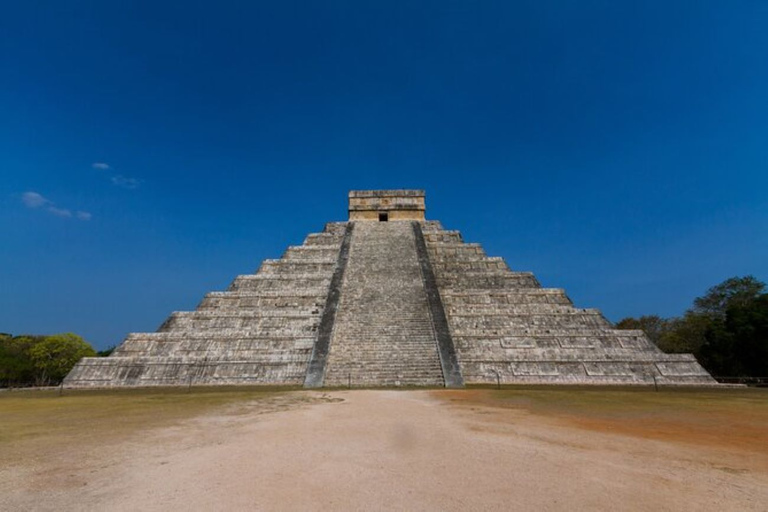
x=260 y=331
x=508 y=329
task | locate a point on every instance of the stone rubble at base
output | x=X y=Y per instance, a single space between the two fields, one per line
x=502 y=326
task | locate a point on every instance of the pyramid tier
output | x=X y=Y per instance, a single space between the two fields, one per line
x=472 y=297
x=399 y=303
x=261 y=331
x=322 y=253
x=509 y=330
x=198 y=344
x=309 y=299
x=144 y=371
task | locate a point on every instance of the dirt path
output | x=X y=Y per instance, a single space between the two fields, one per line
x=388 y=450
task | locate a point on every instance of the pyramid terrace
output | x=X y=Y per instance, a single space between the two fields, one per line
x=387 y=299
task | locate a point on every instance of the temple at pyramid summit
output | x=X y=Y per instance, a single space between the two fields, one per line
x=386 y=299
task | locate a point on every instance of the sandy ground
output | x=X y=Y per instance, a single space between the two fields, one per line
x=387 y=450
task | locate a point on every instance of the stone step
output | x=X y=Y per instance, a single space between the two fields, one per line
x=518 y=310
x=393 y=362
x=390 y=338
x=223 y=346
x=245 y=335
x=487 y=281
x=311 y=253
x=451 y=245
x=382 y=368
x=383 y=325
x=469 y=275
x=287 y=356
x=116 y=371
x=539 y=332
x=442 y=236
x=255 y=315
x=505 y=310
x=470 y=343
x=573 y=354
x=470 y=297
x=629 y=369
x=383 y=353
x=270 y=305
x=289 y=325
x=253 y=282
x=322 y=240
x=300 y=293
x=293 y=267
x=443 y=265
x=511 y=325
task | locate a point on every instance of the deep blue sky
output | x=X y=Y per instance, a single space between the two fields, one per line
x=618 y=151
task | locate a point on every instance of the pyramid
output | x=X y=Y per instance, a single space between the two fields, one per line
x=387 y=299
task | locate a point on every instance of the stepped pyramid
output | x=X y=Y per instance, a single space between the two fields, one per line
x=386 y=299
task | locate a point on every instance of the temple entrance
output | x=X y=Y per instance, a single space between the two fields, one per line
x=383 y=217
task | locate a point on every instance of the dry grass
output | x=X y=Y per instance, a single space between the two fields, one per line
x=40 y=422
x=513 y=449
x=728 y=418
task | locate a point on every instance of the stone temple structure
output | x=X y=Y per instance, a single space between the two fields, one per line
x=387 y=299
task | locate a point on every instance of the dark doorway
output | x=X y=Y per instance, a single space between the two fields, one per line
x=383 y=217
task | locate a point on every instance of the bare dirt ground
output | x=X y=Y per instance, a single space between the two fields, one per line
x=387 y=450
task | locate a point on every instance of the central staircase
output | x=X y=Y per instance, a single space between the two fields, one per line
x=383 y=334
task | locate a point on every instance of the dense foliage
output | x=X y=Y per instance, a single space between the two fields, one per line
x=726 y=329
x=40 y=360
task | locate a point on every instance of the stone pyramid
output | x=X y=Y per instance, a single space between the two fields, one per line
x=387 y=299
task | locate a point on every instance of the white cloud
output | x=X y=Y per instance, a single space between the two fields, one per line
x=125 y=182
x=33 y=200
x=118 y=179
x=59 y=212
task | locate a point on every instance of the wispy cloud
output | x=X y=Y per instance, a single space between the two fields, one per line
x=118 y=180
x=59 y=212
x=34 y=200
x=125 y=182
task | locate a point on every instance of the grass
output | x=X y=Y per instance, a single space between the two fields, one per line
x=38 y=422
x=42 y=423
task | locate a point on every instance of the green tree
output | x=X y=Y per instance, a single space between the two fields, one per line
x=685 y=334
x=738 y=345
x=726 y=329
x=16 y=366
x=735 y=291
x=688 y=334
x=56 y=355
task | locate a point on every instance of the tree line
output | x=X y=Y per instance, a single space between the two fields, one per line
x=28 y=360
x=726 y=329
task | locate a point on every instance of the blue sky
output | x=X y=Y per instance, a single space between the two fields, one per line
x=152 y=151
